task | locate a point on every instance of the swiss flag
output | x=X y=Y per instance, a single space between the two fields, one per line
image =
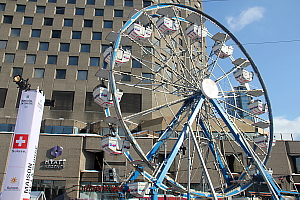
x=20 y=141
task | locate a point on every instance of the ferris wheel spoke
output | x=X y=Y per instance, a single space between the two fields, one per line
x=170 y=66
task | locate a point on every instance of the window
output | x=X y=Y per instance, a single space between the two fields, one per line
x=72 y=1
x=82 y=74
x=63 y=99
x=126 y=77
x=103 y=47
x=108 y=24
x=60 y=10
x=90 y=2
x=61 y=74
x=128 y=3
x=180 y=41
x=296 y=164
x=110 y=2
x=79 y=11
x=52 y=1
x=40 y=9
x=136 y=64
x=48 y=21
x=94 y=61
x=68 y=22
x=33 y=0
x=56 y=33
x=85 y=47
x=52 y=60
x=23 y=45
x=148 y=76
x=28 y=20
x=64 y=47
x=44 y=46
x=36 y=33
x=156 y=41
x=97 y=36
x=39 y=73
x=147 y=3
x=15 y=32
x=2 y=6
x=127 y=47
x=20 y=8
x=90 y=104
x=235 y=162
x=148 y=50
x=73 y=60
x=118 y=13
x=17 y=71
x=88 y=23
x=99 y=12
x=3 y=44
x=7 y=19
x=30 y=59
x=76 y=34
x=168 y=50
x=3 y=92
x=9 y=58
x=157 y=67
x=129 y=99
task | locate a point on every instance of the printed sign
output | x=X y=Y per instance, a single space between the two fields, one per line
x=20 y=169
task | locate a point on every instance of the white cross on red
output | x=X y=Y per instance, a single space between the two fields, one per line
x=20 y=141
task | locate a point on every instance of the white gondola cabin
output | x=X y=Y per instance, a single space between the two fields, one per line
x=196 y=32
x=257 y=107
x=104 y=98
x=122 y=56
x=114 y=145
x=167 y=25
x=222 y=50
x=139 y=189
x=137 y=31
x=243 y=76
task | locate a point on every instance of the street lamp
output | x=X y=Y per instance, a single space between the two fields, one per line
x=22 y=83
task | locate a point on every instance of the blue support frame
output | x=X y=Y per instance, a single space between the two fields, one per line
x=179 y=142
x=274 y=189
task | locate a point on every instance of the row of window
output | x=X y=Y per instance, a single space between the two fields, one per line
x=60 y=73
x=72 y=60
x=51 y=59
x=44 y=46
x=64 y=100
x=127 y=3
x=88 y=23
x=81 y=74
x=55 y=33
x=61 y=10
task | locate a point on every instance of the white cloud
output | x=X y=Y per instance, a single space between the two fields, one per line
x=246 y=17
x=287 y=129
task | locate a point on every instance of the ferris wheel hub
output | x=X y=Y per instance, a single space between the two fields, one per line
x=209 y=88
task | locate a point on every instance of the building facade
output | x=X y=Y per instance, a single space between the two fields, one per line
x=59 y=45
x=82 y=169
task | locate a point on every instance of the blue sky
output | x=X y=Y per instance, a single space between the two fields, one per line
x=270 y=32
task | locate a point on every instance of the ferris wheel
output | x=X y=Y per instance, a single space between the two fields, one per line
x=207 y=104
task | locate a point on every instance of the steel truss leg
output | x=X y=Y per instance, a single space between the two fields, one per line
x=274 y=189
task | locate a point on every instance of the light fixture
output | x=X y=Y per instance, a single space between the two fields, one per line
x=22 y=83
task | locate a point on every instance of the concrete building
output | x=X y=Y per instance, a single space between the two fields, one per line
x=83 y=170
x=58 y=45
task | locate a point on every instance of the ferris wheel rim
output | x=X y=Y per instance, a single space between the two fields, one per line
x=129 y=22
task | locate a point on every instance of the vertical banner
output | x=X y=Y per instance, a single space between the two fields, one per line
x=21 y=164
